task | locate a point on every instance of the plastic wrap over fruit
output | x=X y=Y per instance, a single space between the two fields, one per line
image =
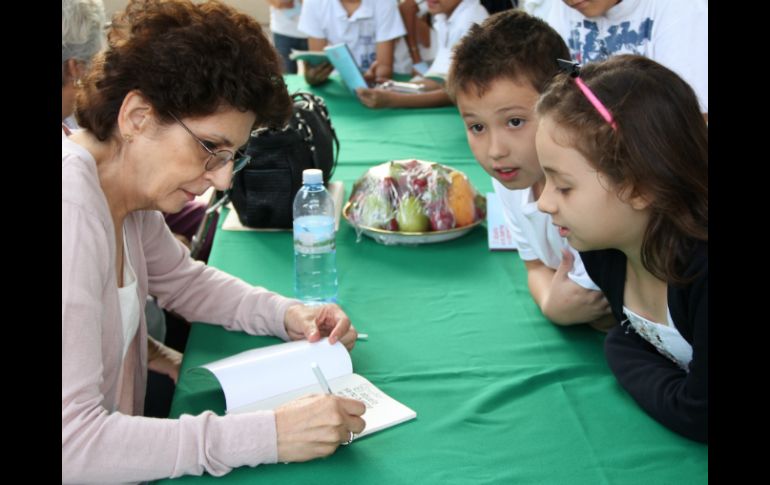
x=414 y=196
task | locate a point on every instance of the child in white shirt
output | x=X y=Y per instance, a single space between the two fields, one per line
x=368 y=27
x=498 y=72
x=671 y=32
x=451 y=21
x=415 y=51
x=284 y=17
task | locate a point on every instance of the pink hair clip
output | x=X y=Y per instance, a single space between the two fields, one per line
x=573 y=69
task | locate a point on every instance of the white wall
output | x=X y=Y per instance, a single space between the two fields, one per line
x=256 y=8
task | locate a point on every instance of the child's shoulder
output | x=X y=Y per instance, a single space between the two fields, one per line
x=320 y=6
x=512 y=199
x=521 y=205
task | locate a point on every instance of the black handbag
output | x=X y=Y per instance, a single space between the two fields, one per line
x=263 y=191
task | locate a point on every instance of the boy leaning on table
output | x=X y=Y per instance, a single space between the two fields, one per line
x=497 y=74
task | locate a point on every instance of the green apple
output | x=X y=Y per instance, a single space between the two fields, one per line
x=375 y=211
x=411 y=216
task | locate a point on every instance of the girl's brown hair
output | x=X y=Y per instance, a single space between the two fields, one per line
x=659 y=150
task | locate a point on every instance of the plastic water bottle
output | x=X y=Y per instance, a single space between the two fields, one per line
x=315 y=265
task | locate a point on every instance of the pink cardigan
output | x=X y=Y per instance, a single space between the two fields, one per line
x=104 y=436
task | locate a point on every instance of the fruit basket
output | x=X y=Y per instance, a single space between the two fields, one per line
x=414 y=202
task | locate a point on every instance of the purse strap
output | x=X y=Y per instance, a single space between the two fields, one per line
x=317 y=105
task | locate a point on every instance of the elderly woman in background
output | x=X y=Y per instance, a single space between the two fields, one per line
x=164 y=112
x=82 y=36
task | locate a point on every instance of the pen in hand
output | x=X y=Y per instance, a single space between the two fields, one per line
x=328 y=390
x=321 y=378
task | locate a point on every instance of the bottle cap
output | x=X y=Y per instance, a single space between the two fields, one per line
x=312 y=176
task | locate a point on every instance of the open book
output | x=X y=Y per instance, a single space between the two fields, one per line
x=499 y=236
x=342 y=59
x=346 y=66
x=265 y=378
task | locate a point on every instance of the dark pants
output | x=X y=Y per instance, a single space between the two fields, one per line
x=284 y=44
x=160 y=392
x=160 y=388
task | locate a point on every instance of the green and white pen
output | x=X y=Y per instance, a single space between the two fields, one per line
x=321 y=378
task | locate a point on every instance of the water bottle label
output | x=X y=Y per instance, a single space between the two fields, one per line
x=314 y=235
x=307 y=244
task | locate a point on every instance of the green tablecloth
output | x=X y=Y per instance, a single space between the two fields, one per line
x=501 y=394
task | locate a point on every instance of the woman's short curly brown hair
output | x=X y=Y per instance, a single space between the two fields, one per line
x=187 y=59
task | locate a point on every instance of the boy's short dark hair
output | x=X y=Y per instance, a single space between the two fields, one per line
x=508 y=45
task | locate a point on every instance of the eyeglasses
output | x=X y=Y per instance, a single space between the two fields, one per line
x=218 y=159
x=573 y=69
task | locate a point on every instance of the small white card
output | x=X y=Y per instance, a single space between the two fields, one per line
x=499 y=235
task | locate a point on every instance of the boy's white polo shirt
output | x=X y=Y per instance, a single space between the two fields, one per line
x=450 y=30
x=374 y=21
x=673 y=33
x=535 y=234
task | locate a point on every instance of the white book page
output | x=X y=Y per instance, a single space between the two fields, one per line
x=382 y=411
x=267 y=372
x=275 y=401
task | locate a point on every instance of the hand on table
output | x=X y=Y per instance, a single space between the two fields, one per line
x=315 y=322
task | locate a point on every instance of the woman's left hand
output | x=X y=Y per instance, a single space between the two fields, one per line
x=315 y=322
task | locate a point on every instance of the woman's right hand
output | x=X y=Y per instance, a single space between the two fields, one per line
x=314 y=426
